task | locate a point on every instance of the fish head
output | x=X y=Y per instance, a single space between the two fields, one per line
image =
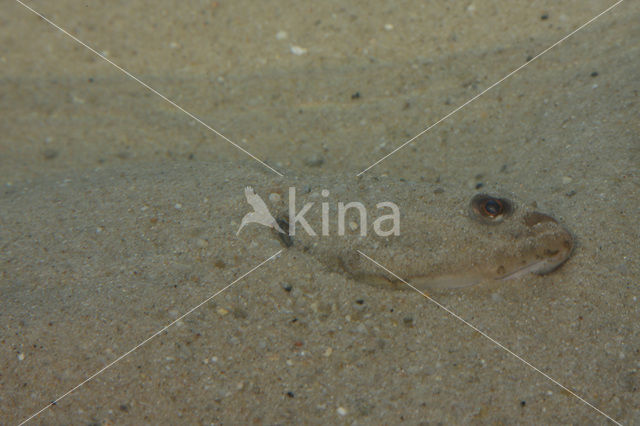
x=517 y=240
x=453 y=242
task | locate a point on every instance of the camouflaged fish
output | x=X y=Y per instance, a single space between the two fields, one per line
x=443 y=238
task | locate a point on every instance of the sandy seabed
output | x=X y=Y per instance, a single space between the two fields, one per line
x=315 y=89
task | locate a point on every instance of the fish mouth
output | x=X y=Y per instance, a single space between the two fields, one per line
x=511 y=242
x=544 y=245
x=554 y=245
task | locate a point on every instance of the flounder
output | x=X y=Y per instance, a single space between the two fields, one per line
x=446 y=237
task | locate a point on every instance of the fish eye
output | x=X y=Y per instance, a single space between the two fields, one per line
x=490 y=209
x=493 y=208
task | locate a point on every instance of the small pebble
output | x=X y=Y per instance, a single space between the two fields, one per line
x=497 y=297
x=298 y=51
x=50 y=154
x=594 y=74
x=20 y=357
x=314 y=161
x=408 y=321
x=342 y=411
x=544 y=16
x=281 y=35
x=274 y=197
x=388 y=27
x=177 y=206
x=222 y=311
x=327 y=353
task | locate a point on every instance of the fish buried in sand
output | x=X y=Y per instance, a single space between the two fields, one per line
x=447 y=240
x=445 y=237
x=492 y=239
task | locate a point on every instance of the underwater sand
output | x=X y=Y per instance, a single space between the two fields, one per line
x=293 y=342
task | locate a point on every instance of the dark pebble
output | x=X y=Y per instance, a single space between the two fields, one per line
x=594 y=74
x=571 y=193
x=239 y=314
x=408 y=321
x=529 y=58
x=290 y=394
x=314 y=160
x=523 y=403
x=360 y=301
x=355 y=95
x=123 y=155
x=479 y=185
x=544 y=16
x=285 y=238
x=287 y=287
x=50 y=154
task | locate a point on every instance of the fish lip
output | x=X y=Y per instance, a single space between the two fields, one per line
x=559 y=249
x=562 y=256
x=551 y=263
